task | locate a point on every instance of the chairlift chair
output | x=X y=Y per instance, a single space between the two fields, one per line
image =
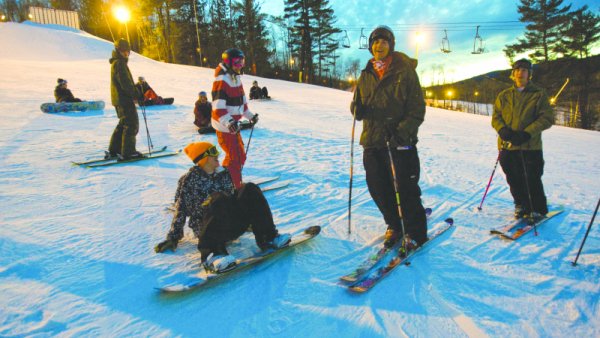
x=363 y=41
x=445 y=43
x=345 y=40
x=478 y=41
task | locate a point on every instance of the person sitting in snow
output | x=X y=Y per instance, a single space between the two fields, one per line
x=62 y=94
x=218 y=211
x=258 y=93
x=149 y=96
x=202 y=111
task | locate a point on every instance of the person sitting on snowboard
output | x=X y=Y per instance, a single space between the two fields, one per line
x=149 y=95
x=202 y=111
x=258 y=93
x=218 y=212
x=62 y=94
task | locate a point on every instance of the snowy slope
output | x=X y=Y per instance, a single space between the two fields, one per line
x=76 y=245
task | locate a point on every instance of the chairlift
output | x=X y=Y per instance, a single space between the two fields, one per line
x=445 y=43
x=345 y=40
x=363 y=41
x=478 y=41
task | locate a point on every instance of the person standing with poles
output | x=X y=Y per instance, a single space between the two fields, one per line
x=124 y=96
x=229 y=105
x=521 y=113
x=389 y=101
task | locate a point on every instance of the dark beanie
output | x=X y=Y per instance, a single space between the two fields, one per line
x=382 y=32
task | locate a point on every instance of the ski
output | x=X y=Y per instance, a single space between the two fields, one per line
x=371 y=261
x=372 y=279
x=263 y=180
x=205 y=278
x=114 y=158
x=148 y=157
x=523 y=227
x=275 y=186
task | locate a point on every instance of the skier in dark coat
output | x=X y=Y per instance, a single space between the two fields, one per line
x=62 y=94
x=520 y=115
x=202 y=111
x=389 y=101
x=123 y=95
x=218 y=212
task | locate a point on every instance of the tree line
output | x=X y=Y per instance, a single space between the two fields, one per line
x=196 y=32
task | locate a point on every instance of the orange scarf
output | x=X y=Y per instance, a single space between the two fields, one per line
x=381 y=66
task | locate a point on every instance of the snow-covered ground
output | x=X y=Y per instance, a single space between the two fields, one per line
x=76 y=245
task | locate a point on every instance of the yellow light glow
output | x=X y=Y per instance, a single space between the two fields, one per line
x=3 y=17
x=449 y=93
x=122 y=14
x=552 y=100
x=476 y=93
x=419 y=37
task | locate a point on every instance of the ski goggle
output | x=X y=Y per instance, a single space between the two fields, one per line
x=212 y=152
x=238 y=62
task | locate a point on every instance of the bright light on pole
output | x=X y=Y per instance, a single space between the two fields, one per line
x=419 y=39
x=123 y=15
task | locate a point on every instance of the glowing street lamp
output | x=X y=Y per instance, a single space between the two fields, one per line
x=419 y=39
x=123 y=15
x=3 y=17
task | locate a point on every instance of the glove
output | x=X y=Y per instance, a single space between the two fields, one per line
x=506 y=134
x=233 y=126
x=520 y=137
x=254 y=119
x=163 y=246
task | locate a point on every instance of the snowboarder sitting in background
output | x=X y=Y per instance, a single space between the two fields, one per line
x=149 y=96
x=229 y=106
x=62 y=94
x=202 y=111
x=258 y=93
x=520 y=115
x=218 y=212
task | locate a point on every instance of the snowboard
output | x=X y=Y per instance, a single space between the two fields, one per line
x=210 y=130
x=63 y=107
x=166 y=101
x=521 y=227
x=205 y=278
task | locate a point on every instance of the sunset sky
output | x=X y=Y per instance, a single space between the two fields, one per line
x=498 y=20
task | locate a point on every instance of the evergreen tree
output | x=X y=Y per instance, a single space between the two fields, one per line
x=325 y=36
x=251 y=36
x=547 y=23
x=583 y=32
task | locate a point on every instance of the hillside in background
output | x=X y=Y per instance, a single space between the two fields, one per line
x=578 y=105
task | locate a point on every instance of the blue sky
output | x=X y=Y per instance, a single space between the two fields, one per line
x=498 y=21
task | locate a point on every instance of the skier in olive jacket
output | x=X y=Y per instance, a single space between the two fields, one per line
x=123 y=95
x=521 y=113
x=389 y=101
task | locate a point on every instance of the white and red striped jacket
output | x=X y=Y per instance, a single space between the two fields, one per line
x=229 y=99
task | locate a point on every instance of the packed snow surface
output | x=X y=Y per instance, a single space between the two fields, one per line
x=76 y=244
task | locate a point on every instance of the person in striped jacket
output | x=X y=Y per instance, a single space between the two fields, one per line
x=229 y=106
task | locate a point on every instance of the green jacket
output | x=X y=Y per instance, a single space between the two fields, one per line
x=392 y=107
x=122 y=87
x=528 y=111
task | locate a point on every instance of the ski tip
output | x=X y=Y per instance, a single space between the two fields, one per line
x=449 y=220
x=313 y=230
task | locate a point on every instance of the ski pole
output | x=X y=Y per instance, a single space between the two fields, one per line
x=250 y=138
x=397 y=191
x=489 y=182
x=150 y=145
x=531 y=221
x=351 y=171
x=586 y=233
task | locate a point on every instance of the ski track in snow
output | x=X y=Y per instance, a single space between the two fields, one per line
x=76 y=245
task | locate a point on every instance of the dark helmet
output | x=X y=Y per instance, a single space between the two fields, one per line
x=61 y=82
x=122 y=45
x=382 y=32
x=230 y=55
